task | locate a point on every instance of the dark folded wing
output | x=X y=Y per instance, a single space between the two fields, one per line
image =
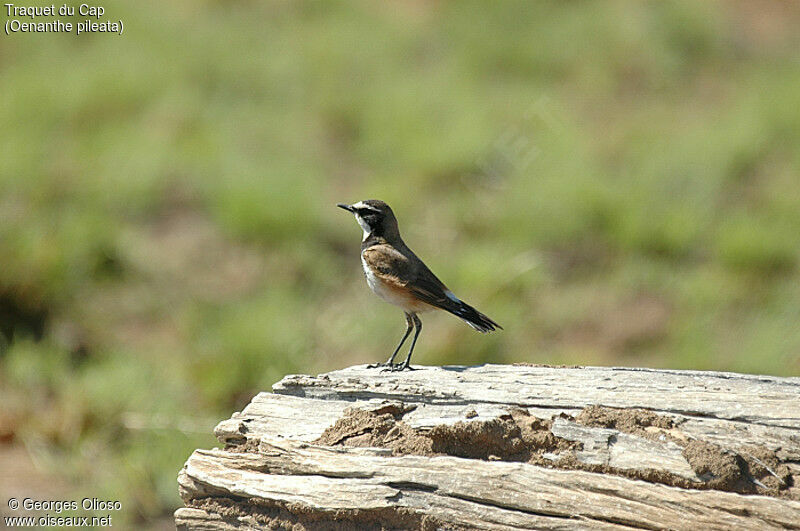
x=431 y=290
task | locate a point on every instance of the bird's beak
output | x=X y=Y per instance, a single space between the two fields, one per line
x=346 y=207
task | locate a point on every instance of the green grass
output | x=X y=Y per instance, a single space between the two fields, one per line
x=614 y=182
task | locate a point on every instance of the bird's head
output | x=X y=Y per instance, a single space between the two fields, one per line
x=375 y=218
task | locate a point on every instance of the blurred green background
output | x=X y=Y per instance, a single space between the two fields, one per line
x=614 y=182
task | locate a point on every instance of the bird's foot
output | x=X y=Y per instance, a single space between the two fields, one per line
x=402 y=367
x=385 y=365
x=389 y=366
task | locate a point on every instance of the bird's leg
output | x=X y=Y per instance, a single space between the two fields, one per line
x=390 y=361
x=406 y=364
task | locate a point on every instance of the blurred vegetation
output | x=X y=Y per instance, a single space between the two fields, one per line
x=614 y=182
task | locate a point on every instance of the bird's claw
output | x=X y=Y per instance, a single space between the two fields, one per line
x=398 y=367
x=391 y=367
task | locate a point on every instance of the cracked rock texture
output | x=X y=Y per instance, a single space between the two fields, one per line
x=504 y=447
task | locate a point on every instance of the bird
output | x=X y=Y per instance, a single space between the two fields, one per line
x=398 y=276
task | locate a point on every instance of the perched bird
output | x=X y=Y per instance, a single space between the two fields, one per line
x=397 y=276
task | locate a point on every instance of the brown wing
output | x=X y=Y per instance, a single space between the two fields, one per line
x=403 y=270
x=389 y=265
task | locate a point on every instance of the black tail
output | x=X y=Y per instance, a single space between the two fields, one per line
x=473 y=317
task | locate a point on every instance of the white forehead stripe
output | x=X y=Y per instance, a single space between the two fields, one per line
x=362 y=205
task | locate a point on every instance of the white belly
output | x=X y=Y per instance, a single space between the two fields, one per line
x=377 y=286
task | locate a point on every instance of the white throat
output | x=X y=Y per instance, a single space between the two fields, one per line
x=366 y=228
